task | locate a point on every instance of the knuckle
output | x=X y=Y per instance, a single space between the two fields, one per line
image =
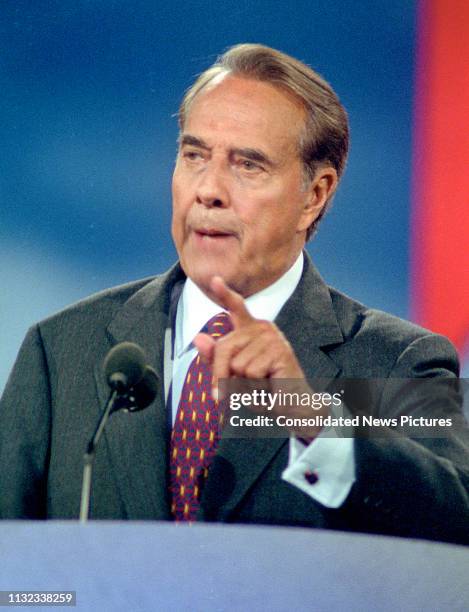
x=223 y=347
x=237 y=364
x=253 y=370
x=266 y=329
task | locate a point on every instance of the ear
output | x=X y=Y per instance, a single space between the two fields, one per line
x=318 y=192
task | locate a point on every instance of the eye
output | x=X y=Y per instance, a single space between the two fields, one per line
x=192 y=154
x=250 y=166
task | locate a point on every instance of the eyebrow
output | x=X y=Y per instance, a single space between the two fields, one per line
x=254 y=155
x=187 y=139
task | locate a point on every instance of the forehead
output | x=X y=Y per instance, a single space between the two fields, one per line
x=236 y=107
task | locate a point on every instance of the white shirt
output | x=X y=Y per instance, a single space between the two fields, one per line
x=329 y=459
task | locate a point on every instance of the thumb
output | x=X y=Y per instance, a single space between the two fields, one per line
x=205 y=344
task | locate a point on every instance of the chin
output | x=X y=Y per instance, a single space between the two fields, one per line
x=202 y=275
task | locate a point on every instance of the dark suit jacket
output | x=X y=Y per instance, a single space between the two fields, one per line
x=57 y=389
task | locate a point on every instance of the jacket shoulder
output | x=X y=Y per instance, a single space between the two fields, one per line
x=98 y=305
x=357 y=318
x=385 y=341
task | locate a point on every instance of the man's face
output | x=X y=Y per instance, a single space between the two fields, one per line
x=240 y=207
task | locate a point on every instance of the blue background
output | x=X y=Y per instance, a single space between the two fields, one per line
x=88 y=96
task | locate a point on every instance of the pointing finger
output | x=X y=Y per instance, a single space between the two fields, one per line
x=231 y=301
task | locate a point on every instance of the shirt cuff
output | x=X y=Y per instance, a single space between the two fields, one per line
x=324 y=470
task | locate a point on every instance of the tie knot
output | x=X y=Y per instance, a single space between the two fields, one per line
x=219 y=325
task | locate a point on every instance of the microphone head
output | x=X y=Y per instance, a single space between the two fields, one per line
x=124 y=365
x=144 y=392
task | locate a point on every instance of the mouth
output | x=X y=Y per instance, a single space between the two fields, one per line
x=212 y=234
x=213 y=240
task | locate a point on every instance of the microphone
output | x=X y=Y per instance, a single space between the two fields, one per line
x=144 y=392
x=134 y=386
x=126 y=373
x=124 y=366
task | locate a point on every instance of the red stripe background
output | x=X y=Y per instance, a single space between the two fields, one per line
x=440 y=228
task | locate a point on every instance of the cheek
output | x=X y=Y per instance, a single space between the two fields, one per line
x=177 y=223
x=179 y=184
x=176 y=190
x=177 y=227
x=267 y=213
x=180 y=206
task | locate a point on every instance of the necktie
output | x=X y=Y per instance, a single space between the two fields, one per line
x=196 y=431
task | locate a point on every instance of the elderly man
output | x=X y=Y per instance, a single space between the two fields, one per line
x=263 y=143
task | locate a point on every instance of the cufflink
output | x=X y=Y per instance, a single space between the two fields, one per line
x=311 y=477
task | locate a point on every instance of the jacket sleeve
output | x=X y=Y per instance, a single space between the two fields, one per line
x=417 y=485
x=25 y=410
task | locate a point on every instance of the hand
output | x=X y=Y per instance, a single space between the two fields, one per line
x=254 y=349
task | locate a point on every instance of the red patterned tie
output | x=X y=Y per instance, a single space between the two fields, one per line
x=196 y=432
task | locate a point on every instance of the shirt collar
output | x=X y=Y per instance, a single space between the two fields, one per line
x=195 y=308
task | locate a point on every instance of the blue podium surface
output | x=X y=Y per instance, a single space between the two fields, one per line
x=169 y=567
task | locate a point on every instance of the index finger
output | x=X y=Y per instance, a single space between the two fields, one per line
x=231 y=301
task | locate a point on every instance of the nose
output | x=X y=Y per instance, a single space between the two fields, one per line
x=212 y=189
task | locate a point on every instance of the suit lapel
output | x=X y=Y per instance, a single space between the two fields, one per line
x=137 y=443
x=309 y=323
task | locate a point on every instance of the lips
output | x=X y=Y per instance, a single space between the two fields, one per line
x=213 y=232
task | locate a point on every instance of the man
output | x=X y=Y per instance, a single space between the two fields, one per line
x=263 y=143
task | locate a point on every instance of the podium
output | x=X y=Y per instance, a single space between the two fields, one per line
x=128 y=567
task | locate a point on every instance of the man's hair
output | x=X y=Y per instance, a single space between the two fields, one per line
x=324 y=139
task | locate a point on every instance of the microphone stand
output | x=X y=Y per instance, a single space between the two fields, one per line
x=134 y=386
x=88 y=458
